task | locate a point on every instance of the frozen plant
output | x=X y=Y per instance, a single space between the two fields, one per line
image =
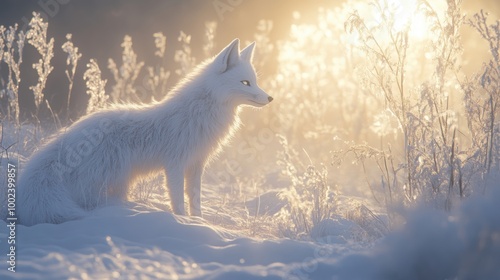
x=482 y=97
x=157 y=81
x=11 y=46
x=184 y=56
x=72 y=61
x=37 y=37
x=160 y=44
x=208 y=46
x=362 y=154
x=150 y=190
x=95 y=87
x=157 y=77
x=310 y=199
x=2 y=41
x=418 y=87
x=126 y=74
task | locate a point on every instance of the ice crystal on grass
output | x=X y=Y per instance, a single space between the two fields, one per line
x=184 y=56
x=157 y=77
x=157 y=81
x=483 y=99
x=37 y=37
x=126 y=74
x=310 y=199
x=11 y=52
x=72 y=61
x=160 y=44
x=95 y=87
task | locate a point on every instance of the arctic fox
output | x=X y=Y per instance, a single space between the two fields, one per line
x=99 y=156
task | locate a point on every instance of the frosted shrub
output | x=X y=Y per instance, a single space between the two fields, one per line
x=151 y=190
x=37 y=37
x=314 y=209
x=365 y=154
x=309 y=198
x=157 y=77
x=157 y=81
x=482 y=99
x=125 y=75
x=95 y=87
x=160 y=44
x=184 y=56
x=11 y=53
x=418 y=87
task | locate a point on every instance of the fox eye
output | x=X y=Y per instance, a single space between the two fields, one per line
x=246 y=83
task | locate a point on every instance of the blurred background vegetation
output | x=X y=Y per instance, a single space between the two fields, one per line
x=98 y=26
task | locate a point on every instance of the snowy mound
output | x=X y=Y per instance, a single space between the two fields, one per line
x=118 y=242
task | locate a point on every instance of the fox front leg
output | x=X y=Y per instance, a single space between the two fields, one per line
x=193 y=188
x=175 y=185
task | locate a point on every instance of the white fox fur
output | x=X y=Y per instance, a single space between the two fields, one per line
x=99 y=156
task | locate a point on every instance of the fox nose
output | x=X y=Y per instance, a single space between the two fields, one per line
x=270 y=98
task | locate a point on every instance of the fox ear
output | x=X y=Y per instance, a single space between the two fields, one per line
x=247 y=53
x=229 y=56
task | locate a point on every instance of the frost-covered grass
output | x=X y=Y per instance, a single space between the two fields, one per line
x=377 y=159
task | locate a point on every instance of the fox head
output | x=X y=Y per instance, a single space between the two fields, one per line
x=236 y=79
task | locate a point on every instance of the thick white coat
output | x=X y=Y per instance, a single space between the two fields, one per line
x=98 y=157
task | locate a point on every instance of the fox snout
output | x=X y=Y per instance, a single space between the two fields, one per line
x=258 y=99
x=263 y=100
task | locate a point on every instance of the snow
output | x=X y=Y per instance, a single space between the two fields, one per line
x=135 y=241
x=132 y=241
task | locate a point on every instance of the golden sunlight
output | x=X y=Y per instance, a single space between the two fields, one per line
x=407 y=13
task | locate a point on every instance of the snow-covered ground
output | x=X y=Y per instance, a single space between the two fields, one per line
x=132 y=241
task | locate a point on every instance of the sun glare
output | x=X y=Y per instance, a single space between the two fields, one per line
x=406 y=14
x=420 y=26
